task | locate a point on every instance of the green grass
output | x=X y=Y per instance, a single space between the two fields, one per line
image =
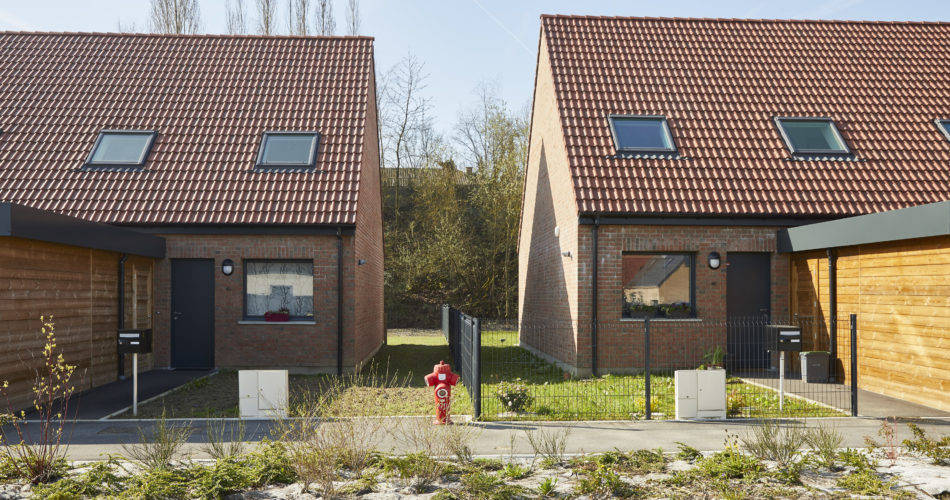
x=557 y=396
x=393 y=384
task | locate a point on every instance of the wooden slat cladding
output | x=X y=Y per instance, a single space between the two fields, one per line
x=901 y=294
x=78 y=287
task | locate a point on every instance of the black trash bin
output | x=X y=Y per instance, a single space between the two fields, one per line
x=815 y=366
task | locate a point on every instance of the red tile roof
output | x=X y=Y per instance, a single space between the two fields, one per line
x=721 y=81
x=210 y=98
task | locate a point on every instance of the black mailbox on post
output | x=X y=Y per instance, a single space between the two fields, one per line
x=135 y=341
x=783 y=338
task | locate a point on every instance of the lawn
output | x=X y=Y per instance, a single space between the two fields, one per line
x=558 y=397
x=392 y=384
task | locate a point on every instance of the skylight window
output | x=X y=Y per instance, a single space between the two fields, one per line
x=812 y=136
x=641 y=134
x=288 y=149
x=121 y=148
x=944 y=126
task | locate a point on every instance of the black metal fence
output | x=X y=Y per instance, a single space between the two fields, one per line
x=463 y=334
x=546 y=370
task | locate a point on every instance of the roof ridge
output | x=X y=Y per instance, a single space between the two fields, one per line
x=737 y=19
x=184 y=35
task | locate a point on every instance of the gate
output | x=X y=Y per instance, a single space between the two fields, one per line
x=464 y=334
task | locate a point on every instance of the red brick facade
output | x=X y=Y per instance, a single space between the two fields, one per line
x=307 y=347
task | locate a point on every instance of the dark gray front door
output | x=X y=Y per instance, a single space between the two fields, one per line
x=192 y=313
x=748 y=308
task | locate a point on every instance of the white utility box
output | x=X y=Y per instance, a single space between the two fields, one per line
x=700 y=393
x=263 y=393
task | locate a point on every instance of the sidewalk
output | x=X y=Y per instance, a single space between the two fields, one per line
x=93 y=440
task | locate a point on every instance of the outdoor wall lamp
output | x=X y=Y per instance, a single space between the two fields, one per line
x=714 y=260
x=566 y=253
x=227 y=267
x=361 y=262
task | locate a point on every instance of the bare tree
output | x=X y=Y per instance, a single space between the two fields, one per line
x=125 y=27
x=266 y=17
x=353 y=17
x=326 y=24
x=406 y=125
x=175 y=16
x=236 y=12
x=297 y=11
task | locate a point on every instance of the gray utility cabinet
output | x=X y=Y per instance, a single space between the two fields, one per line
x=815 y=366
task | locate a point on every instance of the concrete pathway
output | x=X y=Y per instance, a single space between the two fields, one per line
x=93 y=440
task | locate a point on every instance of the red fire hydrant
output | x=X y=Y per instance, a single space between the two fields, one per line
x=443 y=379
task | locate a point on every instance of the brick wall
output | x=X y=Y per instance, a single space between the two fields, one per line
x=295 y=346
x=370 y=318
x=79 y=288
x=547 y=281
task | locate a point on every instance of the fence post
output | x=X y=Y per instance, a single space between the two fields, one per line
x=854 y=365
x=477 y=368
x=646 y=368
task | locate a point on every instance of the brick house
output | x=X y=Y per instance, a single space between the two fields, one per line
x=254 y=159
x=686 y=145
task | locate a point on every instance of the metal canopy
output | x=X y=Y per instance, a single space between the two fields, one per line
x=907 y=223
x=19 y=221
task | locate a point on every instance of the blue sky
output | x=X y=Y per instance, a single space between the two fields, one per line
x=466 y=42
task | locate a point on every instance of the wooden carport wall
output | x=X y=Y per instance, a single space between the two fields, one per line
x=893 y=271
x=70 y=268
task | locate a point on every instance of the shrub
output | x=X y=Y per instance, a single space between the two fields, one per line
x=687 y=452
x=417 y=470
x=550 y=446
x=514 y=396
x=515 y=471
x=866 y=482
x=39 y=458
x=224 y=441
x=824 y=441
x=99 y=480
x=735 y=402
x=603 y=482
x=729 y=464
x=547 y=487
x=772 y=441
x=938 y=450
x=160 y=447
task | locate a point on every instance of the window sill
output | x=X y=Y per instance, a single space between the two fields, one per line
x=641 y=320
x=276 y=323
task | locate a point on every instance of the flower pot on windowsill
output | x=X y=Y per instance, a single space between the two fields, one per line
x=641 y=312
x=276 y=317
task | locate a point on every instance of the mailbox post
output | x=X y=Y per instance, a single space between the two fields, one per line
x=134 y=341
x=783 y=338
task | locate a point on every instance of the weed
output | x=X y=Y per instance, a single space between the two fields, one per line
x=417 y=470
x=938 y=450
x=549 y=445
x=735 y=403
x=888 y=431
x=547 y=488
x=224 y=441
x=515 y=471
x=361 y=486
x=444 y=495
x=159 y=448
x=459 y=439
x=100 y=479
x=270 y=464
x=866 y=482
x=603 y=482
x=856 y=459
x=730 y=464
x=38 y=458
x=791 y=472
x=488 y=464
x=479 y=485
x=687 y=452
x=772 y=441
x=824 y=441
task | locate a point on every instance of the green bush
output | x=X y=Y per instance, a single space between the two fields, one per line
x=938 y=450
x=730 y=464
x=603 y=482
x=514 y=396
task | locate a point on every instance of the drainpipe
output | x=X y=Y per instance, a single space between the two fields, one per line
x=833 y=312
x=339 y=301
x=121 y=312
x=593 y=330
